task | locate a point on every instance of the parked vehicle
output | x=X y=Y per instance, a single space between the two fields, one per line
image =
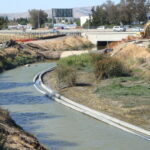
x=119 y=29
x=138 y=29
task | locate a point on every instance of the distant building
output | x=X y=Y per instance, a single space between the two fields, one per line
x=62 y=15
x=20 y=27
x=64 y=26
x=84 y=19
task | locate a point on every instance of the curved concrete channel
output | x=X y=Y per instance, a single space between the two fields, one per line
x=57 y=126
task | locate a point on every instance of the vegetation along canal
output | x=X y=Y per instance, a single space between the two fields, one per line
x=56 y=126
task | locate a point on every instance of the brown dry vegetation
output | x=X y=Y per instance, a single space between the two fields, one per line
x=7 y=37
x=66 y=43
x=135 y=57
x=130 y=109
x=127 y=98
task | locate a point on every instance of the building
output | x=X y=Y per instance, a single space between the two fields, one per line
x=20 y=27
x=148 y=16
x=62 y=15
x=84 y=19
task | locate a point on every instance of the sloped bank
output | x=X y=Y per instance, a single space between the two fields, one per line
x=13 y=137
x=88 y=111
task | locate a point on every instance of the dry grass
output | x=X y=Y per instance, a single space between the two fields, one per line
x=133 y=109
x=65 y=43
x=7 y=37
x=131 y=54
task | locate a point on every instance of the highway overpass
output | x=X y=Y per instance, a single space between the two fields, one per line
x=109 y=36
x=98 y=36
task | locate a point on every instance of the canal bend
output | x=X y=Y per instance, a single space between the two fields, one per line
x=56 y=126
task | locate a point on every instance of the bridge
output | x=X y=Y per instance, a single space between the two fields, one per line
x=100 y=36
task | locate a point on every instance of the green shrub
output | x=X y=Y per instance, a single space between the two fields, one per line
x=1 y=66
x=80 y=62
x=141 y=60
x=97 y=57
x=8 y=63
x=108 y=67
x=2 y=143
x=66 y=76
x=22 y=60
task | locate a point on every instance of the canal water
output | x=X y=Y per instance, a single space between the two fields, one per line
x=56 y=126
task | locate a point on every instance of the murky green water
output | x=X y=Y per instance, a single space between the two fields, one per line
x=55 y=125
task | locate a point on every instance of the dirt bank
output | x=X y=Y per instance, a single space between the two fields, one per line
x=132 y=109
x=14 y=137
x=15 y=54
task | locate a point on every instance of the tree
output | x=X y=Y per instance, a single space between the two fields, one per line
x=3 y=22
x=98 y=16
x=141 y=11
x=77 y=21
x=22 y=21
x=37 y=18
x=125 y=12
x=112 y=13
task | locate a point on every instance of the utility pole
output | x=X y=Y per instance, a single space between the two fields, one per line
x=39 y=19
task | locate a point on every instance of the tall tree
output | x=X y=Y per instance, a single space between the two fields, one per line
x=22 y=21
x=98 y=16
x=141 y=11
x=3 y=22
x=37 y=18
x=111 y=12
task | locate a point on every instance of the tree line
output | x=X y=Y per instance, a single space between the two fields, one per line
x=126 y=12
x=37 y=19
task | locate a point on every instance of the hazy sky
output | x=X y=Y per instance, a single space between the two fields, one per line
x=10 y=6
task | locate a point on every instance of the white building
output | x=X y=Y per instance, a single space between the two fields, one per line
x=84 y=19
x=148 y=16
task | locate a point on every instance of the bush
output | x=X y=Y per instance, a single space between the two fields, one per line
x=66 y=76
x=8 y=63
x=107 y=67
x=2 y=143
x=1 y=66
x=80 y=62
x=97 y=57
x=141 y=60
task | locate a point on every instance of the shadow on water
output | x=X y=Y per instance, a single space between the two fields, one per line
x=11 y=98
x=11 y=85
x=26 y=119
x=2 y=77
x=58 y=144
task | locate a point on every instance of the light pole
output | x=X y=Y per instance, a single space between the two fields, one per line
x=39 y=19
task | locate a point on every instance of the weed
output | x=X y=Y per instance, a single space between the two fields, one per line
x=107 y=67
x=66 y=76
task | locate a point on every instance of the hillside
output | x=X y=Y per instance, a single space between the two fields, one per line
x=78 y=12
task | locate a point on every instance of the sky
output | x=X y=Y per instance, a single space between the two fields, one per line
x=15 y=6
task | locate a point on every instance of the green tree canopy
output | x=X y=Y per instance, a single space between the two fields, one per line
x=3 y=22
x=37 y=18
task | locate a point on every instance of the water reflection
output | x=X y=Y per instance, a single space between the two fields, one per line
x=59 y=144
x=11 y=85
x=11 y=98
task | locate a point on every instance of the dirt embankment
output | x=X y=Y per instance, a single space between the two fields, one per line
x=46 y=49
x=14 y=137
x=126 y=98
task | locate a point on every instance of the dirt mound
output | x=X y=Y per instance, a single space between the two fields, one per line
x=65 y=43
x=130 y=50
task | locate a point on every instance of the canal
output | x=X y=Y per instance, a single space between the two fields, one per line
x=56 y=126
